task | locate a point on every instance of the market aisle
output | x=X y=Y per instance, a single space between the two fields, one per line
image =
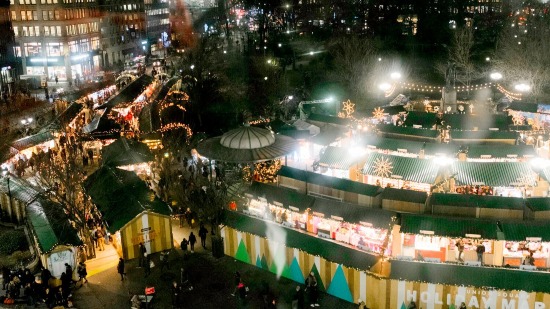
x=104 y=260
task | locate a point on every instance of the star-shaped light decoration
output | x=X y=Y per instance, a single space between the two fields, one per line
x=348 y=108
x=383 y=167
x=378 y=113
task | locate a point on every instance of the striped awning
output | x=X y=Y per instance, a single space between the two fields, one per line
x=410 y=169
x=494 y=174
x=213 y=149
x=339 y=158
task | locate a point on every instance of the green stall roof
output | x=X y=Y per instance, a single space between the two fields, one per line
x=403 y=195
x=329 y=181
x=494 y=174
x=339 y=158
x=449 y=227
x=518 y=230
x=426 y=120
x=479 y=201
x=433 y=149
x=125 y=151
x=461 y=275
x=409 y=131
x=329 y=250
x=286 y=196
x=327 y=136
x=121 y=195
x=33 y=140
x=483 y=135
x=395 y=144
x=19 y=189
x=329 y=119
x=502 y=151
x=353 y=213
x=538 y=203
x=61 y=121
x=50 y=225
x=411 y=169
x=482 y=122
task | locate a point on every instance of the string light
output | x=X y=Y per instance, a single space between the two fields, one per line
x=429 y=88
x=510 y=95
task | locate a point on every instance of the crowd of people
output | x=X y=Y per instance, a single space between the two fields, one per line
x=43 y=287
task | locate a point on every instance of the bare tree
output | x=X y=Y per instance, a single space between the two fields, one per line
x=460 y=55
x=353 y=59
x=522 y=54
x=63 y=179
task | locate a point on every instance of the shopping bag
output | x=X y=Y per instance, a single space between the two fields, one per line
x=150 y=290
x=151 y=264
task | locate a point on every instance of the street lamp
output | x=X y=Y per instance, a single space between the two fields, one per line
x=26 y=122
x=395 y=75
x=384 y=87
x=6 y=175
x=522 y=87
x=496 y=76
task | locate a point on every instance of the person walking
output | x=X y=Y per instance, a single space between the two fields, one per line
x=164 y=260
x=120 y=268
x=82 y=272
x=142 y=254
x=147 y=265
x=311 y=288
x=237 y=281
x=192 y=241
x=202 y=234
x=176 y=295
x=298 y=299
x=100 y=238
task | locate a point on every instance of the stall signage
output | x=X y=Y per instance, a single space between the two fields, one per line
x=318 y=214
x=144 y=237
x=539 y=239
x=145 y=229
x=337 y=218
x=294 y=208
x=426 y=232
x=429 y=297
x=278 y=204
x=365 y=223
x=473 y=235
x=262 y=199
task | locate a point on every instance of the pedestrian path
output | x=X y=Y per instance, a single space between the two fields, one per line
x=103 y=261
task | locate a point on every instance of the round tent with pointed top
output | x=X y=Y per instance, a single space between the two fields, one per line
x=247 y=144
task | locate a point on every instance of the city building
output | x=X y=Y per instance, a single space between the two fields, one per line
x=8 y=64
x=57 y=39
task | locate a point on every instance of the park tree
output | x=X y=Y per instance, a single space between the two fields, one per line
x=353 y=59
x=522 y=54
x=62 y=179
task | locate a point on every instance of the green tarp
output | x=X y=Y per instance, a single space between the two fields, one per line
x=125 y=151
x=479 y=201
x=329 y=181
x=329 y=250
x=494 y=174
x=518 y=231
x=121 y=195
x=50 y=225
x=450 y=227
x=460 y=275
x=286 y=196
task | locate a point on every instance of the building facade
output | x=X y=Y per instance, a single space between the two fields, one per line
x=57 y=38
x=8 y=64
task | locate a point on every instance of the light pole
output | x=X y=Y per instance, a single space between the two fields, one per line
x=26 y=122
x=6 y=175
x=496 y=76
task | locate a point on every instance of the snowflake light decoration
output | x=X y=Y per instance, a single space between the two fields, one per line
x=348 y=108
x=378 y=113
x=383 y=167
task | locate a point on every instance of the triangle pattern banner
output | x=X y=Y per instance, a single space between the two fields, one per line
x=403 y=306
x=242 y=254
x=264 y=263
x=339 y=285
x=258 y=262
x=296 y=272
x=320 y=284
x=286 y=272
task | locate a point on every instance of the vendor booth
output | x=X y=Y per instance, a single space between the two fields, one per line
x=128 y=154
x=132 y=212
x=54 y=238
x=524 y=239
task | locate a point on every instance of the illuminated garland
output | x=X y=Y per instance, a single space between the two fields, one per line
x=164 y=106
x=427 y=88
x=259 y=121
x=176 y=125
x=510 y=95
x=267 y=171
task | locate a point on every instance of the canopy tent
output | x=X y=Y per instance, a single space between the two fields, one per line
x=121 y=195
x=247 y=144
x=125 y=151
